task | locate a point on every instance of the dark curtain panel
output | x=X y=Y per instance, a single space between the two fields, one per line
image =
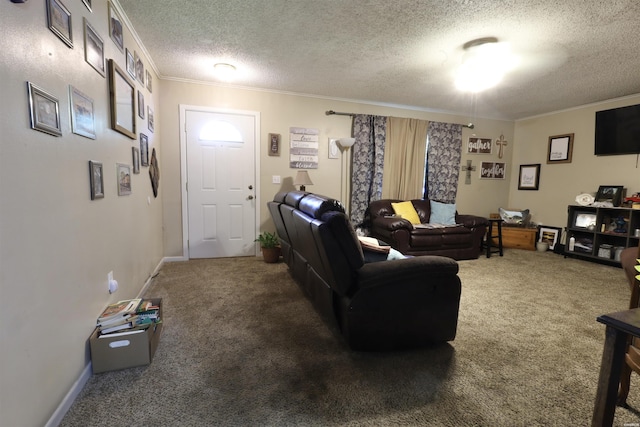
x=443 y=161
x=367 y=165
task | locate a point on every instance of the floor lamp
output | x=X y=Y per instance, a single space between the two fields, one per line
x=345 y=171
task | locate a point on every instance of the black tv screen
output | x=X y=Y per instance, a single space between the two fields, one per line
x=618 y=131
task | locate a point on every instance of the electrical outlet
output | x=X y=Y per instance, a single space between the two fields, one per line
x=275 y=179
x=111 y=284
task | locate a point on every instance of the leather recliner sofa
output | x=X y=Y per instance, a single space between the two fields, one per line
x=463 y=241
x=377 y=306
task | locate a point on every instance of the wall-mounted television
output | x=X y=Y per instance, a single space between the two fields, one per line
x=618 y=131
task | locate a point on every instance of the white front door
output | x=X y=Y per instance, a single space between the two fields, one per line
x=220 y=187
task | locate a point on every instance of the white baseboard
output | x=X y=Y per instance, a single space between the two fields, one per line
x=66 y=403
x=61 y=410
x=175 y=259
x=148 y=282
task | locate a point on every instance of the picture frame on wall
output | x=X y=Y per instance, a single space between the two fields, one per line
x=479 y=145
x=144 y=150
x=493 y=170
x=149 y=81
x=87 y=4
x=96 y=180
x=44 y=110
x=140 y=105
x=135 y=157
x=82 y=114
x=551 y=235
x=150 y=122
x=123 y=175
x=93 y=48
x=529 y=178
x=59 y=21
x=131 y=64
x=274 y=144
x=122 y=95
x=116 y=28
x=560 y=148
x=139 y=68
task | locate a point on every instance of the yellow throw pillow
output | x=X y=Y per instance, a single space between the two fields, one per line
x=406 y=211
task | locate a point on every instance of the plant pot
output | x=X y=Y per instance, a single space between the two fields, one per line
x=271 y=255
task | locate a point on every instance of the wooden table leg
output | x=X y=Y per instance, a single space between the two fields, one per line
x=609 y=380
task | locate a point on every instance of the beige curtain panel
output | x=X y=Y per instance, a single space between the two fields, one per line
x=404 y=158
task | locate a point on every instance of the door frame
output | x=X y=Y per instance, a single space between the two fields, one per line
x=183 y=166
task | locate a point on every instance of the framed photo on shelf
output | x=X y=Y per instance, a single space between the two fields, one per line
x=144 y=150
x=586 y=220
x=44 y=111
x=93 y=48
x=123 y=175
x=551 y=235
x=560 y=148
x=96 y=180
x=115 y=28
x=59 y=20
x=529 y=177
x=82 y=116
x=122 y=93
x=610 y=193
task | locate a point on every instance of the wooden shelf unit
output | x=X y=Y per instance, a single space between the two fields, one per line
x=594 y=233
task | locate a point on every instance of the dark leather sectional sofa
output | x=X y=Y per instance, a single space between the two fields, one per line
x=377 y=306
x=458 y=242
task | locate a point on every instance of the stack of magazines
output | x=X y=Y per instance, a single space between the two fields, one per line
x=128 y=317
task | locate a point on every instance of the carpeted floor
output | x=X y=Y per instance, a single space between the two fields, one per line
x=242 y=346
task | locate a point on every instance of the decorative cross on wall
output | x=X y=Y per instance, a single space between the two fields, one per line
x=468 y=168
x=501 y=142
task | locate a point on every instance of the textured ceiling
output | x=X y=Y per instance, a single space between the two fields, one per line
x=401 y=52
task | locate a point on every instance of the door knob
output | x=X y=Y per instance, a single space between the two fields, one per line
x=251 y=187
x=250 y=197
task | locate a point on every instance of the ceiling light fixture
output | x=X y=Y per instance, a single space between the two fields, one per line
x=485 y=62
x=224 y=71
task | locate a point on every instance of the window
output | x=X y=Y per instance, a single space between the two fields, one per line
x=220 y=131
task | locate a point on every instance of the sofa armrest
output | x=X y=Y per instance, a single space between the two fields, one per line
x=423 y=269
x=472 y=221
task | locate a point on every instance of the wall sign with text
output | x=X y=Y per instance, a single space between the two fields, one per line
x=493 y=170
x=479 y=145
x=304 y=148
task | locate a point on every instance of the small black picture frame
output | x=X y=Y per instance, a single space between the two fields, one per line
x=551 y=235
x=529 y=178
x=610 y=193
x=96 y=180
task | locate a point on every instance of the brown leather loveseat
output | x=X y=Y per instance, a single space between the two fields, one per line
x=376 y=306
x=459 y=241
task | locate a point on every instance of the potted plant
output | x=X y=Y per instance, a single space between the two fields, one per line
x=270 y=246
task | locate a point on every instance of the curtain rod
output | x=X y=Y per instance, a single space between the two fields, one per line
x=337 y=113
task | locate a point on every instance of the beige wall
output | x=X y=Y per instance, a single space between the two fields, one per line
x=56 y=245
x=561 y=183
x=279 y=112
